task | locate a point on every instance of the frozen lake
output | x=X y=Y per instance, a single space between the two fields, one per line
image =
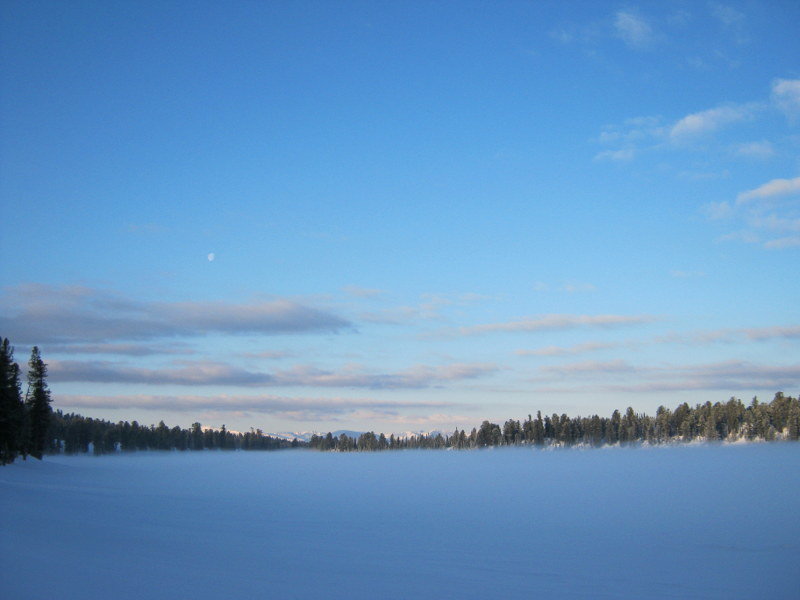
x=675 y=522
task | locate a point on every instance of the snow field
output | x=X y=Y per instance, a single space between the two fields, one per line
x=707 y=521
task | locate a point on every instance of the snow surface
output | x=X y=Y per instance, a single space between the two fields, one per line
x=677 y=522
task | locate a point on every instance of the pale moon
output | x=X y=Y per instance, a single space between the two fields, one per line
x=211 y=257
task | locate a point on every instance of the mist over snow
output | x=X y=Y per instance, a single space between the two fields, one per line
x=698 y=521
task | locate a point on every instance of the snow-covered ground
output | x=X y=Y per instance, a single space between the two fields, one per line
x=676 y=522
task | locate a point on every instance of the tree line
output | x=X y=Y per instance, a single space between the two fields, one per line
x=778 y=419
x=24 y=423
x=72 y=433
x=28 y=426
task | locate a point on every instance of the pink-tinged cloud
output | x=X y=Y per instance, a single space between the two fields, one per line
x=40 y=314
x=297 y=409
x=207 y=373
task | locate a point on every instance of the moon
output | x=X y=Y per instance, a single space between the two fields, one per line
x=211 y=257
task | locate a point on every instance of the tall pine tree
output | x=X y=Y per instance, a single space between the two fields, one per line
x=12 y=411
x=37 y=401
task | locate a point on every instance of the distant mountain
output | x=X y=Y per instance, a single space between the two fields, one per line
x=302 y=436
x=305 y=436
x=404 y=435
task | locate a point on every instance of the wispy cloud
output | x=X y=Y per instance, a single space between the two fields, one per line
x=789 y=333
x=732 y=20
x=120 y=349
x=744 y=236
x=209 y=373
x=630 y=139
x=717 y=211
x=356 y=376
x=552 y=323
x=682 y=274
x=570 y=287
x=758 y=150
x=267 y=354
x=633 y=29
x=429 y=308
x=397 y=315
x=731 y=377
x=189 y=373
x=36 y=313
x=588 y=367
x=766 y=333
x=732 y=335
x=709 y=121
x=146 y=228
x=763 y=212
x=645 y=135
x=297 y=409
x=362 y=292
x=622 y=155
x=792 y=241
x=771 y=189
x=786 y=96
x=727 y=15
x=567 y=350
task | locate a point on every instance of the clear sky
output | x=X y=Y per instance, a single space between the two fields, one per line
x=400 y=215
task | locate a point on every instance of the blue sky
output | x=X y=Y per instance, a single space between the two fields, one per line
x=395 y=216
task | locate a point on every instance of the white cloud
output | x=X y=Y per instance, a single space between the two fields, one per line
x=633 y=29
x=771 y=207
x=771 y=189
x=708 y=121
x=786 y=96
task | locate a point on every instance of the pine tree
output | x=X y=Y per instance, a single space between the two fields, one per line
x=12 y=410
x=37 y=401
x=793 y=425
